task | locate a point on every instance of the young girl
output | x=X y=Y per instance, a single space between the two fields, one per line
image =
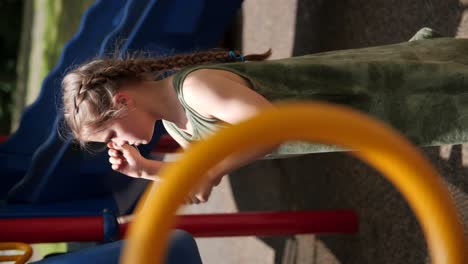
x=419 y=87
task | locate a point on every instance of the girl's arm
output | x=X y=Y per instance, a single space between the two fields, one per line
x=153 y=166
x=236 y=161
x=214 y=95
x=151 y=170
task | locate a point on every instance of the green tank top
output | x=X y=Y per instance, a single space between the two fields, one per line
x=418 y=87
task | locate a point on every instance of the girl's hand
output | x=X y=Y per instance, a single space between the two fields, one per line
x=203 y=192
x=126 y=159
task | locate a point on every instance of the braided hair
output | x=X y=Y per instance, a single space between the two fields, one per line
x=88 y=90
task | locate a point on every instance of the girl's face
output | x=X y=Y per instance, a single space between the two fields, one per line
x=135 y=127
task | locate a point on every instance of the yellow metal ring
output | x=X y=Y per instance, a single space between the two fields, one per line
x=18 y=259
x=378 y=145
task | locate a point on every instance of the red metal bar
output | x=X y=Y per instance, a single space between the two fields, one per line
x=270 y=223
x=267 y=223
x=166 y=144
x=3 y=138
x=57 y=229
x=52 y=229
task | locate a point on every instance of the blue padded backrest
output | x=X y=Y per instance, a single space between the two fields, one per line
x=59 y=170
x=182 y=249
x=56 y=172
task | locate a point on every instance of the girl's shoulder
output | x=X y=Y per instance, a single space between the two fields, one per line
x=210 y=75
x=209 y=82
x=202 y=88
x=220 y=94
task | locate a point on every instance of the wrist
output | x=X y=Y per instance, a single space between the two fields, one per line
x=150 y=169
x=215 y=175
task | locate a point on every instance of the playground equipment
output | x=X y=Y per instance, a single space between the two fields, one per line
x=108 y=228
x=18 y=259
x=378 y=145
x=46 y=170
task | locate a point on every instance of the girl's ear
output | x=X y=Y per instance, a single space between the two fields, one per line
x=122 y=99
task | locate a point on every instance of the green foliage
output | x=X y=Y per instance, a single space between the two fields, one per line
x=10 y=29
x=57 y=22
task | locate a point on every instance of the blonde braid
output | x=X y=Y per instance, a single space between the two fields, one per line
x=89 y=89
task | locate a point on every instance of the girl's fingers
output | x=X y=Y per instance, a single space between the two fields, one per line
x=113 y=145
x=127 y=149
x=114 y=153
x=124 y=150
x=202 y=197
x=192 y=199
x=114 y=160
x=118 y=167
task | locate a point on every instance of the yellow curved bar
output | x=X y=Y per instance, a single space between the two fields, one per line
x=378 y=145
x=19 y=259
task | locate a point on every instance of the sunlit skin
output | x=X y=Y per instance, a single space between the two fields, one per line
x=212 y=93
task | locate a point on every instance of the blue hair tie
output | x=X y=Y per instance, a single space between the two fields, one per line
x=236 y=57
